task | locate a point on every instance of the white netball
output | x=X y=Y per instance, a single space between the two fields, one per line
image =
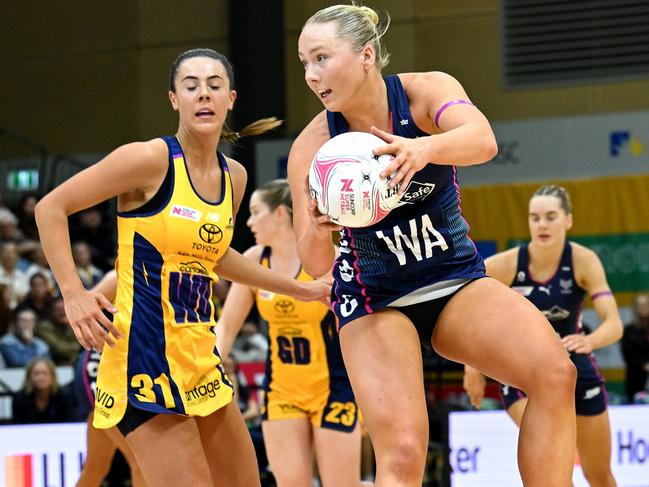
x=344 y=179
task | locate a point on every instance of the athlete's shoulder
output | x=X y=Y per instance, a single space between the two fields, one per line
x=582 y=254
x=239 y=178
x=427 y=92
x=141 y=166
x=502 y=266
x=426 y=77
x=588 y=268
x=254 y=252
x=423 y=82
x=149 y=155
x=236 y=168
x=585 y=262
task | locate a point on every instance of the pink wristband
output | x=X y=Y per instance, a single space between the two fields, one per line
x=450 y=103
x=600 y=294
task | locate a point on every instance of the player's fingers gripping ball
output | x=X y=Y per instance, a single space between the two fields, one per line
x=345 y=180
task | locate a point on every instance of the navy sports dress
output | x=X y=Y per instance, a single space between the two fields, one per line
x=420 y=251
x=561 y=299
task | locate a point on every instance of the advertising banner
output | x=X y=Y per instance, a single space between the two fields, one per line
x=483 y=448
x=566 y=148
x=600 y=145
x=609 y=217
x=42 y=455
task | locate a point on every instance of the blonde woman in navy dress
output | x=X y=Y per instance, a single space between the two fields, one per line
x=416 y=274
x=556 y=275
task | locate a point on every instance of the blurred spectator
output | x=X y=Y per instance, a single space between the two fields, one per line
x=39 y=264
x=38 y=298
x=82 y=255
x=219 y=291
x=250 y=345
x=4 y=211
x=635 y=347
x=21 y=346
x=40 y=400
x=6 y=298
x=26 y=219
x=9 y=232
x=247 y=404
x=251 y=413
x=91 y=228
x=59 y=336
x=9 y=272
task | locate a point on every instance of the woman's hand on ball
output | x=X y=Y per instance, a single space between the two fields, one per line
x=321 y=222
x=409 y=156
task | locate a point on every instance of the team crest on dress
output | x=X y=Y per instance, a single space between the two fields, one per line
x=565 y=285
x=520 y=276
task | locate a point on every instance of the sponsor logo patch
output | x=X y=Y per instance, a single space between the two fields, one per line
x=193 y=267
x=591 y=393
x=556 y=313
x=185 y=212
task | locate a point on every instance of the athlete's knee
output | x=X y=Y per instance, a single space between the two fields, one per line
x=406 y=455
x=558 y=377
x=563 y=375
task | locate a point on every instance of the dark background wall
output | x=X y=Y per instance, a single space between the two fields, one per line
x=86 y=76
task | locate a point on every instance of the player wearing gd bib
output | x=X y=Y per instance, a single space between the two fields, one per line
x=554 y=275
x=305 y=374
x=308 y=402
x=417 y=268
x=160 y=381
